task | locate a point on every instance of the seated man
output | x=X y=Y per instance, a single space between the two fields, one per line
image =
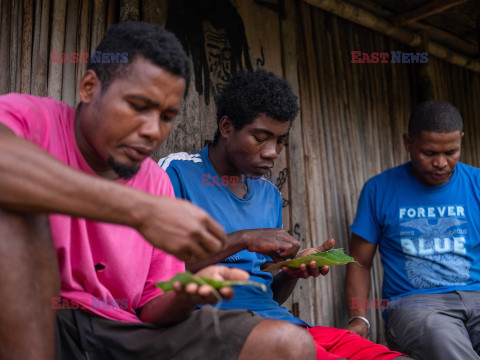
x=254 y=115
x=89 y=169
x=424 y=217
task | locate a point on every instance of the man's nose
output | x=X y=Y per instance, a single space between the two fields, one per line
x=151 y=128
x=440 y=161
x=270 y=151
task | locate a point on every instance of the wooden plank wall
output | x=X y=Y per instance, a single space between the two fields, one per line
x=350 y=127
x=353 y=118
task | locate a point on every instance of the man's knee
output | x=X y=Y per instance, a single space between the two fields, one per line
x=281 y=340
x=12 y=222
x=27 y=247
x=25 y=233
x=298 y=343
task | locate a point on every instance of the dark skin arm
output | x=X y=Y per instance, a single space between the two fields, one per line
x=276 y=243
x=177 y=305
x=286 y=280
x=357 y=282
x=32 y=181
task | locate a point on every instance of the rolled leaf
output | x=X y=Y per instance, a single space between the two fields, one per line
x=187 y=277
x=331 y=257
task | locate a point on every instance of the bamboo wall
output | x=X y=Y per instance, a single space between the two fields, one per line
x=350 y=127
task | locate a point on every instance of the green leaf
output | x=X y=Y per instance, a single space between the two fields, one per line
x=187 y=277
x=331 y=257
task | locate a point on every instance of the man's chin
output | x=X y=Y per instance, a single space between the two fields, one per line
x=122 y=170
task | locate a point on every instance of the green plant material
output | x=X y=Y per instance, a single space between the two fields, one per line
x=187 y=277
x=331 y=257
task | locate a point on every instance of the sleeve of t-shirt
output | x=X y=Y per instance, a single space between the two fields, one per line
x=163 y=266
x=279 y=205
x=366 y=224
x=26 y=115
x=175 y=179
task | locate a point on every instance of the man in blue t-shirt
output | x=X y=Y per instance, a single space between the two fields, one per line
x=424 y=216
x=254 y=115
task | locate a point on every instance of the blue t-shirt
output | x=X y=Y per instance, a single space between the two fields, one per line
x=428 y=237
x=194 y=178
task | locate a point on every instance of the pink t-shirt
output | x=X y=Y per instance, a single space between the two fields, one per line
x=109 y=269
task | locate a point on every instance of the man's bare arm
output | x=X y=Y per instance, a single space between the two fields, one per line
x=34 y=181
x=357 y=282
x=274 y=242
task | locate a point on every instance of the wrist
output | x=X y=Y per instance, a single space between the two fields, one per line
x=362 y=319
x=240 y=240
x=138 y=208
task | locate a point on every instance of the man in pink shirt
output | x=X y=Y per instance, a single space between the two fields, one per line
x=113 y=224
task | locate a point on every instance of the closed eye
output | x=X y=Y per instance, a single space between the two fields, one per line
x=260 y=140
x=167 y=117
x=138 y=107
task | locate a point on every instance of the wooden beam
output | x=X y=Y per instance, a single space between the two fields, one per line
x=434 y=33
x=363 y=17
x=424 y=11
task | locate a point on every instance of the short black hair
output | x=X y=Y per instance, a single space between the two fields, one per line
x=250 y=93
x=434 y=116
x=138 y=38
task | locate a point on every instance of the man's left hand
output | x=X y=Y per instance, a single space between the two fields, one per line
x=310 y=269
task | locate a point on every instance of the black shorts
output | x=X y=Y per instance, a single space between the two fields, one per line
x=84 y=336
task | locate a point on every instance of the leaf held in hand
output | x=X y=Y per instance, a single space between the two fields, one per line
x=187 y=277
x=331 y=257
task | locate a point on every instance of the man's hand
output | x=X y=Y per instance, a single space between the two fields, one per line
x=175 y=306
x=181 y=229
x=311 y=269
x=205 y=294
x=276 y=243
x=358 y=326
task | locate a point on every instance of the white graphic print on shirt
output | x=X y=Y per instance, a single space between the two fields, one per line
x=433 y=241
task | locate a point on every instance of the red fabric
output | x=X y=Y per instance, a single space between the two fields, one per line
x=332 y=344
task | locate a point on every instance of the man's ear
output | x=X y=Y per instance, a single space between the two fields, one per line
x=89 y=85
x=407 y=142
x=225 y=126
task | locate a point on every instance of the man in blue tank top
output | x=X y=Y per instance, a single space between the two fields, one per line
x=424 y=217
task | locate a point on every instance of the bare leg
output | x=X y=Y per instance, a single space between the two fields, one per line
x=274 y=339
x=29 y=278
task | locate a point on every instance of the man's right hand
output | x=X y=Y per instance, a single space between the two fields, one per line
x=205 y=294
x=358 y=326
x=181 y=229
x=276 y=243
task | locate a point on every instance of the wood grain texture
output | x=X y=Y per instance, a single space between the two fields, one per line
x=5 y=40
x=57 y=43
x=27 y=45
x=294 y=152
x=430 y=8
x=70 y=46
